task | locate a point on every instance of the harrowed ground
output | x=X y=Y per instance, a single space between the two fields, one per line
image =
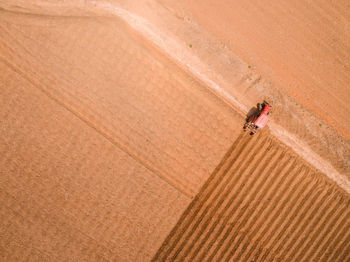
x=121 y=131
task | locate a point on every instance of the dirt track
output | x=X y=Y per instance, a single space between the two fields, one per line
x=303 y=46
x=262 y=203
x=293 y=53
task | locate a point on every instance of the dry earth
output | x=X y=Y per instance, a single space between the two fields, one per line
x=298 y=54
x=262 y=203
x=115 y=113
x=103 y=140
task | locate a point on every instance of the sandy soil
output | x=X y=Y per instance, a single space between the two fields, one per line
x=303 y=45
x=262 y=203
x=233 y=68
x=67 y=193
x=115 y=113
x=105 y=141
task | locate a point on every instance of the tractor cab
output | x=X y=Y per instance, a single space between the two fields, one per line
x=259 y=119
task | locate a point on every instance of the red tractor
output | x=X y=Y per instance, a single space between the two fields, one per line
x=258 y=119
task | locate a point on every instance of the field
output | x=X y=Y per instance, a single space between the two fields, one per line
x=121 y=131
x=262 y=203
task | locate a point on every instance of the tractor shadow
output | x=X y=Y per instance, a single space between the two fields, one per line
x=253 y=111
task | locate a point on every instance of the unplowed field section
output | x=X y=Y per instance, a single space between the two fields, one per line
x=262 y=203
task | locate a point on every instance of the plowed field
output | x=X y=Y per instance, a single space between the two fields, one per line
x=115 y=114
x=262 y=203
x=103 y=141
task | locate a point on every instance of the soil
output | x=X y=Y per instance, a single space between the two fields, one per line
x=115 y=116
x=262 y=203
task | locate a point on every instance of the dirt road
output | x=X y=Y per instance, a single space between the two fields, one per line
x=303 y=46
x=294 y=54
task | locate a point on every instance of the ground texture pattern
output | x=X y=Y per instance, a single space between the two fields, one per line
x=262 y=203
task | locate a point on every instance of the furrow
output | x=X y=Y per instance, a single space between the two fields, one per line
x=200 y=213
x=274 y=237
x=296 y=222
x=325 y=237
x=265 y=194
x=271 y=166
x=216 y=203
x=345 y=251
x=310 y=223
x=341 y=242
x=261 y=203
x=188 y=216
x=347 y=257
x=324 y=224
x=272 y=211
x=233 y=215
x=290 y=197
x=331 y=239
x=223 y=218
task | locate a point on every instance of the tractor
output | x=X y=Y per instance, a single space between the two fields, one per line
x=258 y=119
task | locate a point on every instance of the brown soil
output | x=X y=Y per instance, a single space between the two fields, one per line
x=115 y=113
x=262 y=203
x=303 y=45
x=103 y=140
x=295 y=55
